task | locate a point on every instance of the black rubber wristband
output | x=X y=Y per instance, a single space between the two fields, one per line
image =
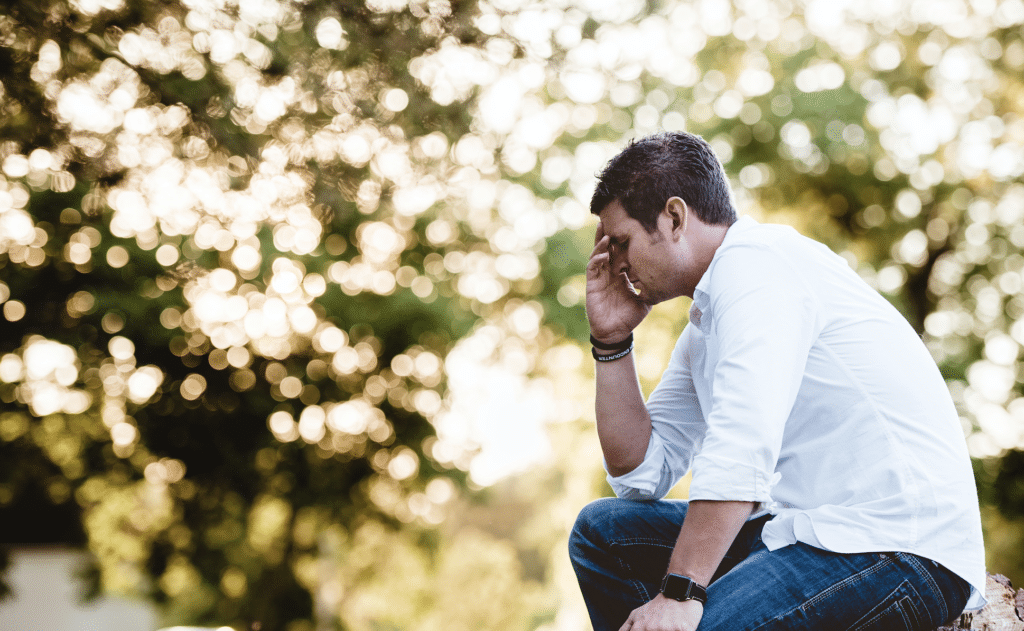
x=611 y=358
x=617 y=346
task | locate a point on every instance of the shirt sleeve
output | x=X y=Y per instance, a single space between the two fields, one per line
x=677 y=428
x=760 y=323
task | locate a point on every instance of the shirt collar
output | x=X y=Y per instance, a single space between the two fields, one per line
x=701 y=297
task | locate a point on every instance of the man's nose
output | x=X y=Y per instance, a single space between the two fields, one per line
x=619 y=263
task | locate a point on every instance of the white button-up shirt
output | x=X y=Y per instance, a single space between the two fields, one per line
x=797 y=386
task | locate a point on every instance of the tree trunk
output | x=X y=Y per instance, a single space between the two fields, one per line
x=1004 y=611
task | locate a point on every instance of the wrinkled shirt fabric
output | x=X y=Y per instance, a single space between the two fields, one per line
x=797 y=386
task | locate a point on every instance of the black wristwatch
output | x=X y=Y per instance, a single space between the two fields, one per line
x=679 y=587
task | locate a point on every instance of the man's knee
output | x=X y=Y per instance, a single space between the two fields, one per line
x=613 y=518
x=600 y=521
x=607 y=515
x=595 y=513
x=589 y=522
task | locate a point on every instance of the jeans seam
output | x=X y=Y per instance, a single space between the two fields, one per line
x=898 y=605
x=910 y=611
x=637 y=583
x=854 y=578
x=921 y=569
x=641 y=540
x=828 y=591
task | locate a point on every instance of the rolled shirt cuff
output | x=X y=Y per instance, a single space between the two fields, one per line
x=726 y=480
x=646 y=482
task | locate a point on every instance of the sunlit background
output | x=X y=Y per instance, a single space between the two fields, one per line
x=291 y=290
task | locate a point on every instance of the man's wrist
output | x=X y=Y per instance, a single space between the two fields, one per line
x=611 y=355
x=611 y=347
x=686 y=614
x=610 y=351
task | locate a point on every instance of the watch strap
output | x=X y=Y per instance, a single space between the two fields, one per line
x=679 y=587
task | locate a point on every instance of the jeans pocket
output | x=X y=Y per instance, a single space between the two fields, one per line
x=895 y=613
x=643 y=559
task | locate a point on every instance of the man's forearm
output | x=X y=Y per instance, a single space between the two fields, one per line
x=709 y=529
x=623 y=424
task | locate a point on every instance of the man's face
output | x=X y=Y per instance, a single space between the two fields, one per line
x=650 y=260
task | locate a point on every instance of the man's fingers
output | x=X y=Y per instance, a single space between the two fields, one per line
x=600 y=255
x=628 y=624
x=599 y=233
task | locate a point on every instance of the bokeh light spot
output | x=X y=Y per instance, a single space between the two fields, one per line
x=14 y=310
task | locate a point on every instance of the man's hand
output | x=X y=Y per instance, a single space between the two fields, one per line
x=613 y=309
x=665 y=614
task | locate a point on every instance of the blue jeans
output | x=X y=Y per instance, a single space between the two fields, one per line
x=620 y=550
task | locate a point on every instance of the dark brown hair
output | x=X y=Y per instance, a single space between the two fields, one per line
x=644 y=175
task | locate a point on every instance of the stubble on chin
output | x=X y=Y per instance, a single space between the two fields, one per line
x=648 y=298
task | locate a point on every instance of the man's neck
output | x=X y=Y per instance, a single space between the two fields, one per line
x=707 y=238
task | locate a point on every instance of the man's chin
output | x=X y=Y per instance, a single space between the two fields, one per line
x=644 y=295
x=648 y=298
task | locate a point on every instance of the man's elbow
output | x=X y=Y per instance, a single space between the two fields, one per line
x=621 y=463
x=623 y=453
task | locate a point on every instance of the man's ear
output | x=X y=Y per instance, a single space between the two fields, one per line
x=677 y=212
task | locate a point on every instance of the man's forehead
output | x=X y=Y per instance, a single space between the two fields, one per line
x=615 y=220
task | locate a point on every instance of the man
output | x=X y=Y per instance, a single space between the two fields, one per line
x=831 y=484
